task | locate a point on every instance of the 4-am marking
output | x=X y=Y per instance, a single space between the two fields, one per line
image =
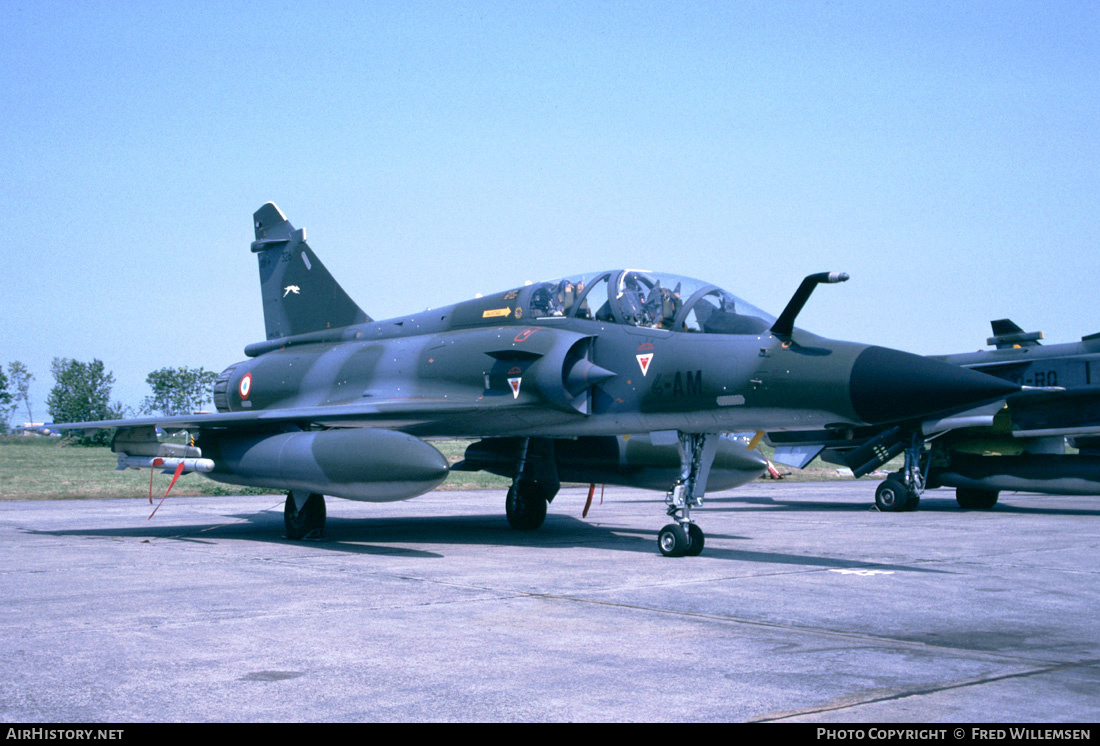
x=680 y=383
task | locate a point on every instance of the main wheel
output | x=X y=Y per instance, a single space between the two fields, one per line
x=525 y=507
x=673 y=540
x=307 y=523
x=696 y=540
x=891 y=496
x=973 y=498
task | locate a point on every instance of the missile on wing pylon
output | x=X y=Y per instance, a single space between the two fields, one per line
x=168 y=463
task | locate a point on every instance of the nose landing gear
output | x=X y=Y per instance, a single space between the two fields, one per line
x=684 y=538
x=902 y=489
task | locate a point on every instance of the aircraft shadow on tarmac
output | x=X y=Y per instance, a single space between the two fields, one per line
x=930 y=502
x=363 y=535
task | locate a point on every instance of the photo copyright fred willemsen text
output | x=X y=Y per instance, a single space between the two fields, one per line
x=975 y=734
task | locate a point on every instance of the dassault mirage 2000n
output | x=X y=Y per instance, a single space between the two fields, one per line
x=550 y=376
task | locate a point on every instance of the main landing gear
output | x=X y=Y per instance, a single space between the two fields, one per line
x=976 y=498
x=525 y=505
x=304 y=515
x=684 y=538
x=534 y=485
x=902 y=489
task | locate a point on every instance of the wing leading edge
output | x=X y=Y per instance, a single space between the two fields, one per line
x=393 y=413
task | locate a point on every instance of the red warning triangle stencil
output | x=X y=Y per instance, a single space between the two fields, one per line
x=514 y=383
x=644 y=361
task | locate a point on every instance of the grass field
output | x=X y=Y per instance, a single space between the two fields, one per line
x=50 y=469
x=34 y=468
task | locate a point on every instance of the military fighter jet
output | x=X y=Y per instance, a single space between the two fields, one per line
x=1017 y=444
x=552 y=377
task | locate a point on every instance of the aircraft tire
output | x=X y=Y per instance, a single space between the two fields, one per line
x=526 y=509
x=307 y=523
x=674 y=541
x=891 y=496
x=913 y=503
x=696 y=540
x=973 y=498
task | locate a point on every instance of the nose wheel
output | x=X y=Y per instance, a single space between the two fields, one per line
x=684 y=538
x=681 y=540
x=902 y=490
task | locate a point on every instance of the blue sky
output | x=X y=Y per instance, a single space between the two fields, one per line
x=944 y=154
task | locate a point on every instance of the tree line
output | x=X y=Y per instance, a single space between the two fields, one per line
x=82 y=393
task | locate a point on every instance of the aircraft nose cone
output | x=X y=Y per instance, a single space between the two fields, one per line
x=890 y=385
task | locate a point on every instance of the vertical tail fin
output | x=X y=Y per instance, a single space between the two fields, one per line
x=299 y=294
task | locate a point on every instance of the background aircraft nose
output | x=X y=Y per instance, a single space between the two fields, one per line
x=890 y=385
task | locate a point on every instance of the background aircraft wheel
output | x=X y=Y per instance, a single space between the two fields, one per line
x=309 y=522
x=526 y=507
x=891 y=496
x=973 y=498
x=673 y=540
x=913 y=502
x=696 y=540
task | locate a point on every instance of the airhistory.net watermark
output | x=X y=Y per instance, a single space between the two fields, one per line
x=63 y=734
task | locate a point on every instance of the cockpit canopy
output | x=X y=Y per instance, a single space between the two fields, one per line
x=647 y=299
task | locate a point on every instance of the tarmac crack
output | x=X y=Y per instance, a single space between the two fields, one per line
x=499 y=594
x=779 y=717
x=887 y=641
x=1008 y=553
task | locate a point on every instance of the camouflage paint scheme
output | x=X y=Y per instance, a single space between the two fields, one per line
x=335 y=402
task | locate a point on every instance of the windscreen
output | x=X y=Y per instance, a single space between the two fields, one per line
x=647 y=299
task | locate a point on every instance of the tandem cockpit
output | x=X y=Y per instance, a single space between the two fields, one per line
x=646 y=299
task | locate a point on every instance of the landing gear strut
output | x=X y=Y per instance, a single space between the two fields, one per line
x=685 y=538
x=304 y=515
x=902 y=489
x=532 y=489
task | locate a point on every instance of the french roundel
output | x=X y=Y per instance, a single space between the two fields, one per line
x=246 y=385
